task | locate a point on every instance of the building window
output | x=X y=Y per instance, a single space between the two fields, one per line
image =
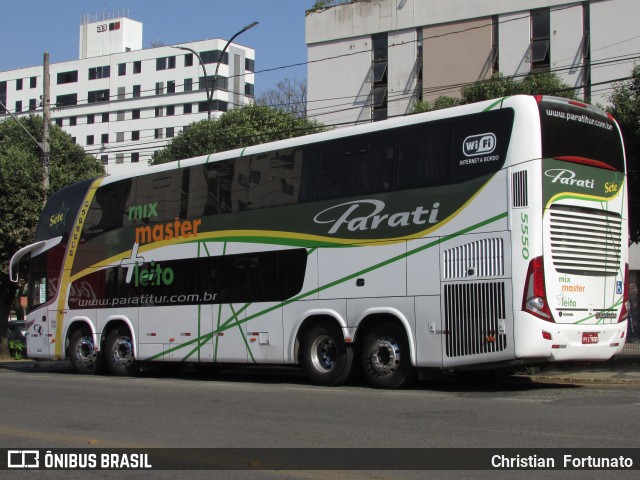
x=90 y=140
x=159 y=111
x=137 y=67
x=158 y=133
x=419 y=65
x=3 y=96
x=170 y=132
x=122 y=69
x=120 y=116
x=188 y=60
x=171 y=86
x=136 y=91
x=104 y=138
x=99 y=72
x=119 y=157
x=18 y=106
x=165 y=63
x=73 y=121
x=188 y=84
x=121 y=93
x=221 y=83
x=495 y=44
x=33 y=82
x=135 y=114
x=98 y=96
x=188 y=108
x=249 y=89
x=105 y=159
x=32 y=104
x=212 y=56
x=159 y=88
x=379 y=82
x=135 y=157
x=67 y=77
x=59 y=122
x=216 y=106
x=105 y=117
x=135 y=135
x=67 y=100
x=249 y=64
x=171 y=110
x=119 y=136
x=539 y=51
x=91 y=119
x=19 y=84
x=586 y=50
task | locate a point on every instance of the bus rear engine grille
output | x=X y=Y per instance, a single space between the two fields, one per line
x=585 y=241
x=482 y=258
x=474 y=318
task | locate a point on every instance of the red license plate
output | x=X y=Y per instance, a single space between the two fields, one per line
x=589 y=338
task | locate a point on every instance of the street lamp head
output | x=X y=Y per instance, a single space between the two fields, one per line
x=249 y=26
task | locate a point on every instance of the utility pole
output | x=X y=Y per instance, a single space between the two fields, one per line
x=45 y=125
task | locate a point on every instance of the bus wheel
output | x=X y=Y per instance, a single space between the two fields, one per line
x=83 y=355
x=326 y=358
x=386 y=361
x=119 y=353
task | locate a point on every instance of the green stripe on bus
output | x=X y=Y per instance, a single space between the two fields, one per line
x=228 y=324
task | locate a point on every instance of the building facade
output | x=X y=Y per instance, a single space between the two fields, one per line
x=121 y=102
x=373 y=59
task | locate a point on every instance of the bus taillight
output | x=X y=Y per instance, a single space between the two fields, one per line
x=534 y=299
x=624 y=311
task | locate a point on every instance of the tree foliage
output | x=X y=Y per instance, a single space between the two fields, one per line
x=242 y=127
x=501 y=86
x=625 y=108
x=21 y=193
x=289 y=96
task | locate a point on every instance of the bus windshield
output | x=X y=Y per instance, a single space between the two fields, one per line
x=57 y=220
x=573 y=131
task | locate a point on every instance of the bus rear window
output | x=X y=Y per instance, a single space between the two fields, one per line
x=578 y=132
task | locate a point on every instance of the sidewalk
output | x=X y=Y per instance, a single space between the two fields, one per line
x=617 y=371
x=621 y=371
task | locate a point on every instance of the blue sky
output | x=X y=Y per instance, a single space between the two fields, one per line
x=31 y=27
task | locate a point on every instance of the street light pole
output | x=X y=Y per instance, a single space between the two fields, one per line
x=204 y=70
x=215 y=75
x=210 y=91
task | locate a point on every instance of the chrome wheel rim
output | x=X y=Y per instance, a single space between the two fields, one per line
x=385 y=356
x=324 y=353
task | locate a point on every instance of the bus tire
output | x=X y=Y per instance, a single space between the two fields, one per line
x=82 y=354
x=386 y=359
x=118 y=352
x=326 y=358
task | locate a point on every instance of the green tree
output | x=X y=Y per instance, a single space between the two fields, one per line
x=438 y=104
x=501 y=86
x=242 y=127
x=22 y=196
x=625 y=108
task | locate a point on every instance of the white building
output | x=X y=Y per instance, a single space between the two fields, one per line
x=373 y=59
x=122 y=103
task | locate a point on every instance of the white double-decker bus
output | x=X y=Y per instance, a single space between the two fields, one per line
x=482 y=236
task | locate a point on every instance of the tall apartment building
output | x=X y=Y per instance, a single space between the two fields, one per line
x=121 y=102
x=373 y=59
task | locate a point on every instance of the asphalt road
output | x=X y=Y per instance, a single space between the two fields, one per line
x=242 y=408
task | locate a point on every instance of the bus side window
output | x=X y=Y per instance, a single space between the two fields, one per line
x=356 y=166
x=424 y=156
